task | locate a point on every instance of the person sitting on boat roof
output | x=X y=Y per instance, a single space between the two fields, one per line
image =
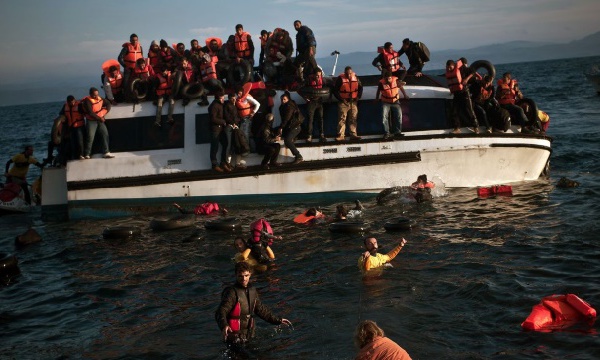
x=371 y=259
x=422 y=189
x=130 y=52
x=72 y=110
x=95 y=109
x=417 y=54
x=534 y=124
x=207 y=72
x=390 y=87
x=389 y=60
x=244 y=255
x=279 y=49
x=242 y=46
x=247 y=107
x=154 y=55
x=306 y=47
x=164 y=90
x=206 y=208
x=291 y=120
x=219 y=55
x=113 y=85
x=145 y=72
x=315 y=105
x=463 y=107
x=374 y=345
x=267 y=143
x=180 y=51
x=167 y=57
x=483 y=99
x=348 y=90
x=217 y=124
x=194 y=52
x=507 y=94
x=20 y=167
x=230 y=112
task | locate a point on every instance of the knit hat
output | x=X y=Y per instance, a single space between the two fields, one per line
x=154 y=42
x=163 y=43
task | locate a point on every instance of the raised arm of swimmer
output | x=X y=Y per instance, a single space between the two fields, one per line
x=370 y=259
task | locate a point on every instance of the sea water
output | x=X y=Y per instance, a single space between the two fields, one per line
x=469 y=275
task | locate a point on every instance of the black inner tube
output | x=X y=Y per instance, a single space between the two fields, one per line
x=139 y=89
x=488 y=66
x=239 y=73
x=192 y=91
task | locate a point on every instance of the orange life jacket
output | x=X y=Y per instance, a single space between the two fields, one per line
x=167 y=58
x=242 y=49
x=144 y=73
x=165 y=85
x=73 y=115
x=115 y=82
x=97 y=106
x=208 y=71
x=507 y=91
x=314 y=82
x=244 y=107
x=154 y=60
x=349 y=88
x=392 y=61
x=133 y=53
x=390 y=92
x=455 y=78
x=214 y=54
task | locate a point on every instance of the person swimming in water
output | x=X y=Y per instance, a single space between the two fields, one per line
x=261 y=241
x=422 y=189
x=244 y=255
x=310 y=216
x=343 y=213
x=203 y=209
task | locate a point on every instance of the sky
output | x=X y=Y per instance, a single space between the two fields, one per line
x=68 y=38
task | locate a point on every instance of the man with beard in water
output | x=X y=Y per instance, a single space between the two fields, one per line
x=235 y=316
x=371 y=260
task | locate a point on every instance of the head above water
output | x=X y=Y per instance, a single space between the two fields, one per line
x=242 y=273
x=366 y=332
x=239 y=244
x=422 y=178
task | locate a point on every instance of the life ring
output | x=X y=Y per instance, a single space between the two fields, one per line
x=488 y=66
x=121 y=232
x=239 y=73
x=399 y=224
x=348 y=227
x=223 y=224
x=213 y=85
x=532 y=113
x=9 y=266
x=310 y=91
x=173 y=223
x=192 y=91
x=57 y=129
x=139 y=89
x=269 y=70
x=177 y=81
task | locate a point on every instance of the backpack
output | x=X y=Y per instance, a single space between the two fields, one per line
x=423 y=51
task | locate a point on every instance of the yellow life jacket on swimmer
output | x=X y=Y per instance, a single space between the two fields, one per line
x=133 y=53
x=242 y=49
x=390 y=93
x=349 y=88
x=73 y=115
x=454 y=78
x=97 y=106
x=507 y=91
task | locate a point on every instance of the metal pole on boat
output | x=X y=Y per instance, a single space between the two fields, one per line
x=336 y=53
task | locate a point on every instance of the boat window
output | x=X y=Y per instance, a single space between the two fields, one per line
x=140 y=133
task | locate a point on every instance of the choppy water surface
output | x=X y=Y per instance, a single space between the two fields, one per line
x=469 y=275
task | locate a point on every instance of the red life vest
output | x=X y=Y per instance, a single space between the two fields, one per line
x=97 y=106
x=154 y=59
x=258 y=227
x=455 y=78
x=167 y=59
x=133 y=53
x=115 y=82
x=144 y=73
x=214 y=54
x=208 y=70
x=349 y=88
x=244 y=107
x=390 y=92
x=392 y=61
x=206 y=208
x=507 y=91
x=314 y=82
x=233 y=319
x=165 y=85
x=486 y=93
x=188 y=73
x=242 y=49
x=74 y=117
x=427 y=185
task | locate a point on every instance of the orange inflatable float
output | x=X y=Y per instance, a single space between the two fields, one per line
x=557 y=312
x=494 y=190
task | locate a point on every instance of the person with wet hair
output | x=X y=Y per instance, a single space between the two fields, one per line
x=374 y=345
x=371 y=259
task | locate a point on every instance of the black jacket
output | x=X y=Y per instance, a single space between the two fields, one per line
x=231 y=113
x=291 y=117
x=217 y=120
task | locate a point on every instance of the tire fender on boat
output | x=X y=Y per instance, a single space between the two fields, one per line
x=121 y=232
x=223 y=224
x=192 y=91
x=348 y=227
x=310 y=91
x=488 y=66
x=177 y=81
x=139 y=89
x=239 y=73
x=173 y=222
x=399 y=224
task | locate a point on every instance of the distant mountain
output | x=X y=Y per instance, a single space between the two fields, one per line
x=56 y=89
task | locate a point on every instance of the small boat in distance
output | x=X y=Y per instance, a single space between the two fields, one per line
x=162 y=164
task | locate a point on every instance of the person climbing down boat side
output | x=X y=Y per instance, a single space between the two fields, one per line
x=20 y=167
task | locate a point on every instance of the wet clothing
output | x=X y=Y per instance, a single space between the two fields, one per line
x=382 y=348
x=20 y=166
x=378 y=260
x=247 y=257
x=250 y=306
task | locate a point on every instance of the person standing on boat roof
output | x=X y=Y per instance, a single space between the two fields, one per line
x=306 y=47
x=371 y=259
x=315 y=105
x=247 y=107
x=217 y=123
x=417 y=54
x=239 y=306
x=95 y=109
x=130 y=52
x=243 y=47
x=389 y=88
x=348 y=90
x=18 y=172
x=463 y=106
x=389 y=60
x=291 y=120
x=267 y=143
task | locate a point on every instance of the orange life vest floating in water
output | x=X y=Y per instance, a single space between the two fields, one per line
x=494 y=190
x=558 y=312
